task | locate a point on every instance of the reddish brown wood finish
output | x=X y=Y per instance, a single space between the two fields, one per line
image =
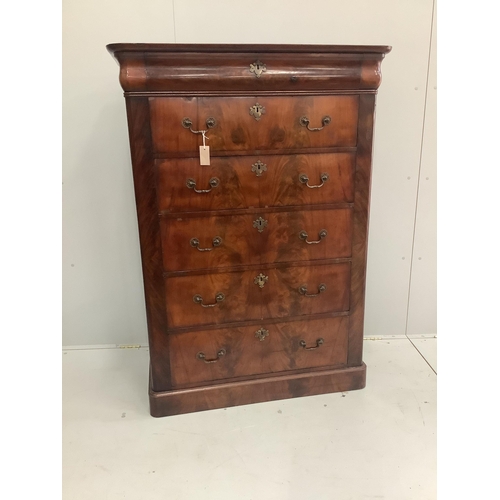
x=360 y=235
x=245 y=354
x=150 y=240
x=244 y=299
x=241 y=243
x=163 y=85
x=256 y=390
x=226 y=67
x=240 y=187
x=236 y=129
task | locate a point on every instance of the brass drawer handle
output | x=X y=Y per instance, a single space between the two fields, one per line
x=304 y=121
x=305 y=180
x=195 y=243
x=322 y=234
x=319 y=343
x=198 y=299
x=220 y=353
x=191 y=184
x=187 y=123
x=303 y=290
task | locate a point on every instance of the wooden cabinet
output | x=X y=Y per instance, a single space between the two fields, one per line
x=253 y=265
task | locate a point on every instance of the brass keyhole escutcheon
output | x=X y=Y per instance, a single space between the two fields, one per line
x=260 y=224
x=257 y=68
x=261 y=334
x=257 y=111
x=258 y=168
x=261 y=280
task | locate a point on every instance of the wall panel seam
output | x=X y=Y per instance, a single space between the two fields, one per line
x=419 y=168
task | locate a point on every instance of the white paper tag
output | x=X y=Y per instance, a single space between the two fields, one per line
x=204 y=155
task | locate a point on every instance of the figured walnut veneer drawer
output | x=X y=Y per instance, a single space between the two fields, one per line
x=235 y=129
x=231 y=240
x=256 y=181
x=236 y=352
x=254 y=294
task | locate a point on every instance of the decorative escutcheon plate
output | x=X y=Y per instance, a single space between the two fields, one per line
x=257 y=68
x=261 y=280
x=259 y=168
x=260 y=224
x=257 y=111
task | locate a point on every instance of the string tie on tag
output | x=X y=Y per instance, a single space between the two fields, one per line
x=203 y=134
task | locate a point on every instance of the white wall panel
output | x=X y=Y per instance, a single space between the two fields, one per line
x=103 y=300
x=422 y=316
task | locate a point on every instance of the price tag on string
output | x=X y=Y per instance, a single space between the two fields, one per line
x=204 y=150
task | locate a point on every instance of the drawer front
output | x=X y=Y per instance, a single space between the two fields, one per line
x=256 y=181
x=306 y=235
x=245 y=351
x=271 y=293
x=296 y=291
x=242 y=299
x=223 y=241
x=253 y=123
x=204 y=70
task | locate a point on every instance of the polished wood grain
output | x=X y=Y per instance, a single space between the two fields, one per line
x=283 y=242
x=282 y=297
x=233 y=240
x=244 y=299
x=149 y=237
x=237 y=129
x=284 y=188
x=360 y=235
x=240 y=242
x=245 y=354
x=274 y=181
x=256 y=390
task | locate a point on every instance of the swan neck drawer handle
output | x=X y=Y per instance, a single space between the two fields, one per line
x=322 y=234
x=188 y=123
x=305 y=180
x=195 y=243
x=198 y=299
x=304 y=121
x=303 y=290
x=191 y=184
x=319 y=343
x=201 y=356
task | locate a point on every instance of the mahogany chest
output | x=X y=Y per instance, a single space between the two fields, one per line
x=252 y=168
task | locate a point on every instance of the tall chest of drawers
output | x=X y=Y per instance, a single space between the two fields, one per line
x=252 y=167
